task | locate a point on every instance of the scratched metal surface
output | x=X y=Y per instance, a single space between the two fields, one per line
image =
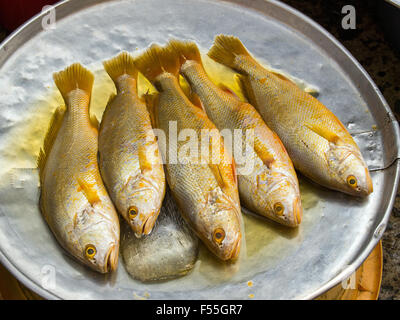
x=337 y=232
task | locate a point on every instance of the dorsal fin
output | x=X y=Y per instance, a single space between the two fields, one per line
x=282 y=77
x=52 y=131
x=94 y=121
x=151 y=101
x=246 y=89
x=185 y=86
x=110 y=100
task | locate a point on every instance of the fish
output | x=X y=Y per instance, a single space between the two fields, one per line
x=206 y=191
x=170 y=251
x=318 y=143
x=73 y=199
x=271 y=188
x=129 y=158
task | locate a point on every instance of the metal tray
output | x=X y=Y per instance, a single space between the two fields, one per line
x=338 y=231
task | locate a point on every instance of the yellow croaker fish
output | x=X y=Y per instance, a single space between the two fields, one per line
x=73 y=200
x=129 y=159
x=317 y=142
x=205 y=192
x=271 y=189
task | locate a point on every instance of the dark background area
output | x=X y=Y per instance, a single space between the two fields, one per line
x=371 y=43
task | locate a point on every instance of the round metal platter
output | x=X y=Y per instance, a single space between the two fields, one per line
x=338 y=231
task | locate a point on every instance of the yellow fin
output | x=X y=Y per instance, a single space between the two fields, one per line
x=267 y=158
x=89 y=191
x=94 y=121
x=225 y=49
x=196 y=101
x=144 y=163
x=282 y=77
x=246 y=89
x=74 y=77
x=54 y=126
x=217 y=174
x=120 y=65
x=110 y=99
x=185 y=86
x=323 y=132
x=186 y=50
x=157 y=60
x=226 y=89
x=151 y=105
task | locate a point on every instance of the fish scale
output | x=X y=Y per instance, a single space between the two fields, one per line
x=194 y=185
x=271 y=188
x=129 y=159
x=311 y=133
x=73 y=199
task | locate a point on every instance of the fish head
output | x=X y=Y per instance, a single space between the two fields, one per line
x=284 y=201
x=221 y=230
x=143 y=207
x=351 y=172
x=98 y=241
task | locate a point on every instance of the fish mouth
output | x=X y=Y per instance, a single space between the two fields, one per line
x=370 y=187
x=111 y=259
x=235 y=250
x=147 y=225
x=297 y=212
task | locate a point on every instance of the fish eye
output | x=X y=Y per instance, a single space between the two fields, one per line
x=278 y=208
x=219 y=235
x=132 y=212
x=90 y=251
x=352 y=181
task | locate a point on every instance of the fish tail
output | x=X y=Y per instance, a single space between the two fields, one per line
x=185 y=50
x=120 y=65
x=225 y=49
x=157 y=60
x=74 y=77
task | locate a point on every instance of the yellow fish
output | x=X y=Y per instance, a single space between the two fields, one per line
x=271 y=187
x=317 y=142
x=73 y=200
x=206 y=192
x=129 y=159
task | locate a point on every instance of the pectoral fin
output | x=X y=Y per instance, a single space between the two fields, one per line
x=324 y=133
x=144 y=160
x=88 y=190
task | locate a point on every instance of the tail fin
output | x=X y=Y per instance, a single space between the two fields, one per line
x=157 y=60
x=120 y=65
x=225 y=50
x=186 y=50
x=72 y=78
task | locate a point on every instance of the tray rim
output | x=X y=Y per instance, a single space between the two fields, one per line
x=391 y=125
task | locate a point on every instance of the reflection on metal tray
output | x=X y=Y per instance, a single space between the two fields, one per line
x=338 y=231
